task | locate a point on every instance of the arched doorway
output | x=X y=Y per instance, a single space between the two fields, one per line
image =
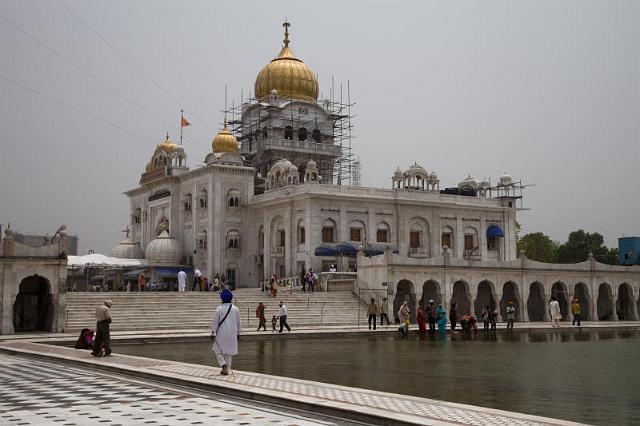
x=509 y=294
x=605 y=302
x=460 y=296
x=624 y=304
x=559 y=290
x=535 y=303
x=431 y=291
x=404 y=291
x=33 y=308
x=582 y=294
x=484 y=298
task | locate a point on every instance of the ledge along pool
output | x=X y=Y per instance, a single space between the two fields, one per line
x=584 y=376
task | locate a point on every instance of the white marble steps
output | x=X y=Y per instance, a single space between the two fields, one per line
x=193 y=310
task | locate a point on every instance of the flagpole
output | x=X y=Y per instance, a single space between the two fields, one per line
x=181 y=122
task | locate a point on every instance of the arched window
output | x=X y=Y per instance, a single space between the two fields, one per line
x=447 y=237
x=187 y=203
x=470 y=241
x=301 y=232
x=356 y=231
x=233 y=239
x=302 y=134
x=316 y=135
x=202 y=201
x=233 y=198
x=202 y=239
x=288 y=132
x=382 y=234
x=329 y=231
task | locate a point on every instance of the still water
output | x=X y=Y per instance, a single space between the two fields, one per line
x=589 y=376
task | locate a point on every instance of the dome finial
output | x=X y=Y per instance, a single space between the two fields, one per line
x=167 y=140
x=286 y=26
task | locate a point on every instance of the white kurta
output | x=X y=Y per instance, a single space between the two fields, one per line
x=554 y=309
x=182 y=281
x=226 y=341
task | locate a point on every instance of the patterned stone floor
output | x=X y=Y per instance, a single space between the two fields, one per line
x=347 y=400
x=44 y=393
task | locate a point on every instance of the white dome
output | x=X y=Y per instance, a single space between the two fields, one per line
x=164 y=249
x=416 y=169
x=506 y=180
x=312 y=165
x=469 y=183
x=484 y=184
x=127 y=249
x=397 y=173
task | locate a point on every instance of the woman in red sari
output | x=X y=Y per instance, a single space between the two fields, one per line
x=422 y=320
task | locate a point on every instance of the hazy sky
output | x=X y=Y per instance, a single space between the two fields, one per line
x=548 y=91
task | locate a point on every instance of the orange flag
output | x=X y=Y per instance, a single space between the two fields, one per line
x=184 y=122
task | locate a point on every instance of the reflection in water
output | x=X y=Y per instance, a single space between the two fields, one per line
x=586 y=376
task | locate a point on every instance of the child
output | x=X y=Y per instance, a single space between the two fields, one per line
x=274 y=321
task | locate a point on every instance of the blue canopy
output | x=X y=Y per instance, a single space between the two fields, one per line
x=495 y=231
x=345 y=248
x=325 y=249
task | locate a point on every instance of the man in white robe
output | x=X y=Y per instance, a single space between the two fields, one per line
x=225 y=331
x=182 y=281
x=554 y=310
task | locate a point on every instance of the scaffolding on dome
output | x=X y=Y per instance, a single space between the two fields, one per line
x=332 y=150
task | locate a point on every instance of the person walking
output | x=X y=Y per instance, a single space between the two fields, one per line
x=182 y=281
x=103 y=337
x=421 y=319
x=384 y=311
x=441 y=319
x=511 y=315
x=554 y=311
x=431 y=317
x=262 y=320
x=453 y=315
x=404 y=314
x=303 y=281
x=196 y=279
x=576 y=311
x=283 y=317
x=372 y=312
x=225 y=331
x=486 y=313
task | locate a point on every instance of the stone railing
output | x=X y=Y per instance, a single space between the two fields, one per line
x=337 y=281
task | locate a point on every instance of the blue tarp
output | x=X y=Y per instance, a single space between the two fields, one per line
x=495 y=231
x=325 y=249
x=171 y=270
x=350 y=249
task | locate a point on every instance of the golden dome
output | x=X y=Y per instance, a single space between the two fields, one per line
x=291 y=77
x=168 y=146
x=148 y=167
x=225 y=141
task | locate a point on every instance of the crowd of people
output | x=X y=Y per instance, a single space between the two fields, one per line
x=432 y=315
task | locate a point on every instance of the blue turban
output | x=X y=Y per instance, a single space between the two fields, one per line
x=226 y=295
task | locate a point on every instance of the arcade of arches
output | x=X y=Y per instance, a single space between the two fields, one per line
x=531 y=303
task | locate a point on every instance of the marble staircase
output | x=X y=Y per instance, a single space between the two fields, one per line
x=193 y=310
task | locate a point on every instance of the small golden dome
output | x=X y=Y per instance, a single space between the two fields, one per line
x=291 y=77
x=167 y=146
x=225 y=141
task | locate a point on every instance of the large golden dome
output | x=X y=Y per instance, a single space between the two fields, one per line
x=168 y=146
x=225 y=141
x=291 y=77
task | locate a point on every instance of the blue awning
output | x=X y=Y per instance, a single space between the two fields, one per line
x=325 y=249
x=495 y=231
x=346 y=248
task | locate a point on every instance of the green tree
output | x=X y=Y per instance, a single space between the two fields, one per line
x=579 y=245
x=538 y=246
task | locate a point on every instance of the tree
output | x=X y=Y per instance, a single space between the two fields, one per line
x=579 y=245
x=538 y=246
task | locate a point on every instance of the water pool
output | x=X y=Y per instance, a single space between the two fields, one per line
x=584 y=376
